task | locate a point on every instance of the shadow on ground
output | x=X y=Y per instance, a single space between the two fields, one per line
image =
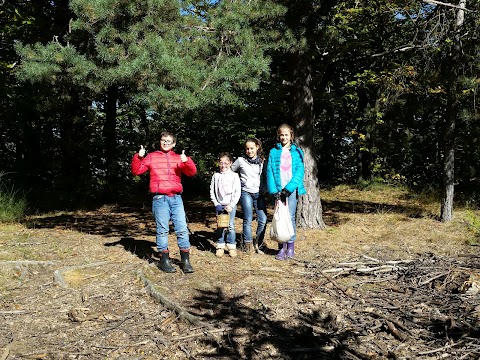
x=117 y=221
x=254 y=331
x=333 y=207
x=137 y=221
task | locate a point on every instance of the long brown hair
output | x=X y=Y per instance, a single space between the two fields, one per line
x=258 y=143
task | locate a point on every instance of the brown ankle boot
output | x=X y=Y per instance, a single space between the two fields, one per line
x=249 y=248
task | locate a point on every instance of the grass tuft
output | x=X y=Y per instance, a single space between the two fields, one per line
x=12 y=203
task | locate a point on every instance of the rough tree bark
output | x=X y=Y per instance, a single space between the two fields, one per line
x=309 y=209
x=446 y=211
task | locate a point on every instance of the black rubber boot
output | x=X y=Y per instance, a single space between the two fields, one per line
x=185 y=261
x=165 y=262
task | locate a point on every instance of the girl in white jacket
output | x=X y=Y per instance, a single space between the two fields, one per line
x=225 y=193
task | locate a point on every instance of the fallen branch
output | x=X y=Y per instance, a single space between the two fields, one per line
x=387 y=318
x=26 y=262
x=185 y=350
x=324 y=349
x=140 y=343
x=206 y=332
x=391 y=262
x=25 y=244
x=362 y=266
x=425 y=282
x=340 y=269
x=382 y=268
x=371 y=258
x=181 y=312
x=13 y=312
x=446 y=347
x=395 y=332
x=363 y=269
x=373 y=281
x=344 y=291
x=166 y=321
x=79 y=315
x=120 y=323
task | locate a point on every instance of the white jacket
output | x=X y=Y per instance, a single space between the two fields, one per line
x=225 y=188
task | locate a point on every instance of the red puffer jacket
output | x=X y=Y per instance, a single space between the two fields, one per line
x=166 y=169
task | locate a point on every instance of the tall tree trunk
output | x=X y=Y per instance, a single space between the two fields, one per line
x=69 y=163
x=110 y=141
x=309 y=209
x=27 y=142
x=144 y=122
x=364 y=165
x=446 y=211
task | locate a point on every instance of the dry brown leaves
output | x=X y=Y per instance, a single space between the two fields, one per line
x=384 y=280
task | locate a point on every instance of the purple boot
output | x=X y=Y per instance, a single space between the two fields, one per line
x=282 y=252
x=290 y=250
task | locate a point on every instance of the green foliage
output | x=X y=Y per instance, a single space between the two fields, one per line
x=379 y=184
x=160 y=63
x=472 y=219
x=170 y=54
x=12 y=203
x=217 y=72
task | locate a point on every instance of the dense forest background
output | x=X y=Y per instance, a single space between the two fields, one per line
x=376 y=90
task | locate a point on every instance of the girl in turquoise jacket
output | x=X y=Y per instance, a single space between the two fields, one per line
x=285 y=170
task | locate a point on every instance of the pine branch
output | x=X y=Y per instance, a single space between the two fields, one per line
x=435 y=2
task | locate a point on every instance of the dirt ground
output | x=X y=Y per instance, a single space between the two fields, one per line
x=383 y=281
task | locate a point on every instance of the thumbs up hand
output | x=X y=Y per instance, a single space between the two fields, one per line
x=141 y=152
x=183 y=157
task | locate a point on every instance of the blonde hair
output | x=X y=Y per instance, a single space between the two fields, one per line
x=289 y=128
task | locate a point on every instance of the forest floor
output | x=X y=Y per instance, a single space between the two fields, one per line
x=384 y=280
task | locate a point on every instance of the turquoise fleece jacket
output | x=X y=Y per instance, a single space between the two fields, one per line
x=273 y=170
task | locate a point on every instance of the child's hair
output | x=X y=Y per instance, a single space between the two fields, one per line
x=227 y=155
x=258 y=143
x=286 y=126
x=168 y=133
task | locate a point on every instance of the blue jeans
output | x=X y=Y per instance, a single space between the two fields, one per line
x=229 y=232
x=166 y=208
x=292 y=208
x=249 y=202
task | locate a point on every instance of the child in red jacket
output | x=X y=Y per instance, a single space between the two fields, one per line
x=166 y=168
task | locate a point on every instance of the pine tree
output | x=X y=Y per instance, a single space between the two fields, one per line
x=163 y=53
x=155 y=54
